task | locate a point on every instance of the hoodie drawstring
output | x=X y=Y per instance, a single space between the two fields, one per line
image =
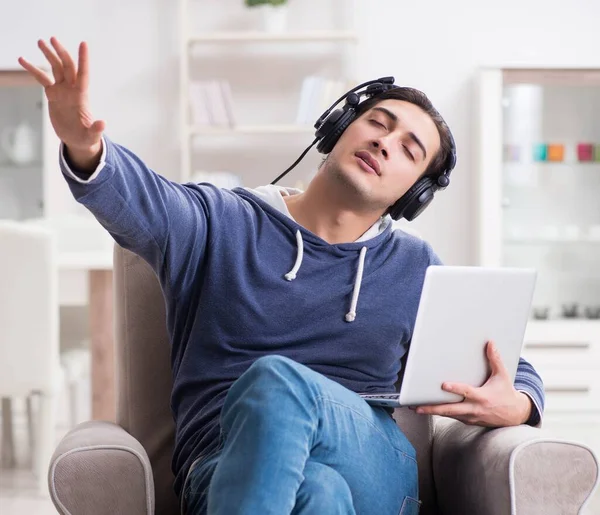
x=291 y=275
x=351 y=315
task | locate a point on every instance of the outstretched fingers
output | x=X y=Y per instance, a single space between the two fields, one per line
x=55 y=62
x=83 y=70
x=42 y=77
x=69 y=70
x=63 y=66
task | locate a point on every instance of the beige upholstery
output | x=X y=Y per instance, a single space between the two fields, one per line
x=124 y=468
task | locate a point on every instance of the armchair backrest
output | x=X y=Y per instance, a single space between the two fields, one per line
x=144 y=381
x=143 y=371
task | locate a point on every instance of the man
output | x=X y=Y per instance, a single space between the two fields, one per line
x=281 y=305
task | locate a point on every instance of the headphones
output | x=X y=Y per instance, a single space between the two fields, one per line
x=332 y=124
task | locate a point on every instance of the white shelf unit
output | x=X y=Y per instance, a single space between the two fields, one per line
x=252 y=129
x=257 y=36
x=566 y=352
x=346 y=37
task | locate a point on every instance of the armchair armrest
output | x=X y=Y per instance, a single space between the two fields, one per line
x=98 y=468
x=513 y=470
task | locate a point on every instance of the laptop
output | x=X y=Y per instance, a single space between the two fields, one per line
x=460 y=309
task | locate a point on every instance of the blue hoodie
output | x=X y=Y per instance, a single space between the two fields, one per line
x=242 y=279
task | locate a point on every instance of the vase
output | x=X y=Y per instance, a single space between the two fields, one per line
x=18 y=143
x=274 y=18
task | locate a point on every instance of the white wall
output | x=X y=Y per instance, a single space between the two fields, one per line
x=437 y=45
x=433 y=45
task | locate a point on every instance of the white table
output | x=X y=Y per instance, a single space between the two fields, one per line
x=99 y=268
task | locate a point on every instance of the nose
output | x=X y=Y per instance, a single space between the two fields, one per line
x=380 y=147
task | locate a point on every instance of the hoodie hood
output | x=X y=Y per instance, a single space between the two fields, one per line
x=273 y=196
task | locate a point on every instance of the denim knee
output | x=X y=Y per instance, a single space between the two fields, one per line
x=269 y=368
x=272 y=362
x=268 y=377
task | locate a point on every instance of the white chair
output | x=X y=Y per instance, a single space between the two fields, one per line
x=29 y=330
x=76 y=234
x=76 y=367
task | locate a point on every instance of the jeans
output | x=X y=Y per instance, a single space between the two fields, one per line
x=295 y=442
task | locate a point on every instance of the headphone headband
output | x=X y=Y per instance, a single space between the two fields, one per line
x=380 y=86
x=332 y=124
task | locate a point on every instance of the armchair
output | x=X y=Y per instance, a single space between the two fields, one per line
x=124 y=468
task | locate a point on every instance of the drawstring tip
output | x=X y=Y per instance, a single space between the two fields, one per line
x=291 y=275
x=350 y=316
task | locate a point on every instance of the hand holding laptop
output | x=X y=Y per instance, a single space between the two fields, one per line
x=494 y=404
x=460 y=310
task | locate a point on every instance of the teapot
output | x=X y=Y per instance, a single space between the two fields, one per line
x=18 y=143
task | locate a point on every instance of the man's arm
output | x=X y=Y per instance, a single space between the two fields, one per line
x=162 y=221
x=529 y=382
x=139 y=208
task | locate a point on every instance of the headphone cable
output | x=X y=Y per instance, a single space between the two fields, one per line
x=321 y=120
x=297 y=160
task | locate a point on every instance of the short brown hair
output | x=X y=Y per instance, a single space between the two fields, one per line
x=414 y=96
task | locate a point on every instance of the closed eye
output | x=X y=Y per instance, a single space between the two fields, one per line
x=375 y=122
x=408 y=152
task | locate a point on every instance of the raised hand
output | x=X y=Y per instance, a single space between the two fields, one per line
x=68 y=105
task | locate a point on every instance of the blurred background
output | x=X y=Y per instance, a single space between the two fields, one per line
x=226 y=92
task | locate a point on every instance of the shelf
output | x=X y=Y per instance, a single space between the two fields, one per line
x=551 y=164
x=18 y=77
x=267 y=48
x=11 y=167
x=556 y=323
x=251 y=129
x=555 y=77
x=550 y=241
x=244 y=37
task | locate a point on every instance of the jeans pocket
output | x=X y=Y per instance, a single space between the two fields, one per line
x=410 y=506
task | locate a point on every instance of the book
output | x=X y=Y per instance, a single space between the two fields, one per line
x=199 y=114
x=211 y=103
x=317 y=94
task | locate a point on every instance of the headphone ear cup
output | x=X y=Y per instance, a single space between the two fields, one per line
x=331 y=131
x=414 y=201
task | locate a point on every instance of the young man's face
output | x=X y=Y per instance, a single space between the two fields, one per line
x=384 y=151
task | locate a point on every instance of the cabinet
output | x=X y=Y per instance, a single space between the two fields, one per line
x=567 y=356
x=265 y=71
x=538 y=185
x=31 y=185
x=22 y=192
